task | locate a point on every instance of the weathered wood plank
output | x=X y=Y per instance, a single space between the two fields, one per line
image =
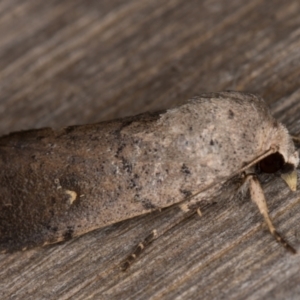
x=73 y=62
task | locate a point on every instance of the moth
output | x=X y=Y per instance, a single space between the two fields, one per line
x=58 y=184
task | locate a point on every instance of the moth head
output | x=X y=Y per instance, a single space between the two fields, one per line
x=284 y=161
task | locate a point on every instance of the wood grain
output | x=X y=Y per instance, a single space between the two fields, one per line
x=82 y=61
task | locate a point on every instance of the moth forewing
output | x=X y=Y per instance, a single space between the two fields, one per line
x=249 y=182
x=282 y=150
x=57 y=184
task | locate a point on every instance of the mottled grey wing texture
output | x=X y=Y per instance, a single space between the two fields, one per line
x=60 y=184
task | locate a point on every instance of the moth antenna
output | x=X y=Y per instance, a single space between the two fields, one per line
x=272 y=149
x=258 y=197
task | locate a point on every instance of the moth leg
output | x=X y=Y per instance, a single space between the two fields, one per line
x=138 y=250
x=199 y=213
x=243 y=186
x=180 y=216
x=258 y=197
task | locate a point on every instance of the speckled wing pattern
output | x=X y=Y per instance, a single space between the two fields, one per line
x=56 y=184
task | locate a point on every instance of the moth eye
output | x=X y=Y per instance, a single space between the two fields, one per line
x=272 y=163
x=287 y=168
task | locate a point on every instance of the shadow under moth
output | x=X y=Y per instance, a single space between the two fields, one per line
x=58 y=184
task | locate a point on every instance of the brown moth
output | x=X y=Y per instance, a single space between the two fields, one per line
x=57 y=184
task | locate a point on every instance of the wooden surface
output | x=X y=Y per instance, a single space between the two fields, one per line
x=82 y=61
